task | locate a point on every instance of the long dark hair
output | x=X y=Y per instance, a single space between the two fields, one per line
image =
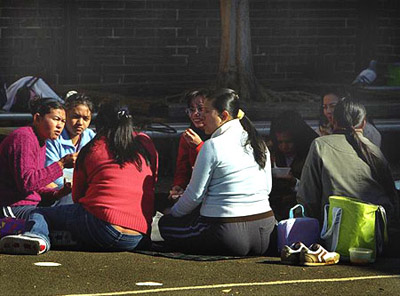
x=350 y=115
x=44 y=106
x=302 y=134
x=114 y=123
x=227 y=99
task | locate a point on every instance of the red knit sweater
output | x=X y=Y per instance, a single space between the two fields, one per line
x=185 y=162
x=120 y=196
x=23 y=176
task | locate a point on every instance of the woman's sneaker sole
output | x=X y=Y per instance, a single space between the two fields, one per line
x=22 y=245
x=331 y=261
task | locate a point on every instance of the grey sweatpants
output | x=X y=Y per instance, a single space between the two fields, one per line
x=195 y=234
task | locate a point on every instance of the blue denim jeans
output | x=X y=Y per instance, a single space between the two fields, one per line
x=90 y=232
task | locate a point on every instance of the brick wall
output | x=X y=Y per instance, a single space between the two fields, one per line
x=304 y=39
x=31 y=36
x=164 y=46
x=388 y=41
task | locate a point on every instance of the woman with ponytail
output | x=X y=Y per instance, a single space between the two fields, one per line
x=346 y=164
x=225 y=207
x=113 y=192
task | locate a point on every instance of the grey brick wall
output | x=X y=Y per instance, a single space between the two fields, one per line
x=161 y=46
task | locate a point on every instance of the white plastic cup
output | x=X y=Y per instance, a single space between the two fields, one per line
x=68 y=176
x=280 y=171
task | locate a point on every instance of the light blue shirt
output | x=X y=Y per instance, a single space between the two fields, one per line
x=56 y=149
x=226 y=179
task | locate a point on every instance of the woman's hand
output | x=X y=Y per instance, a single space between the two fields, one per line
x=175 y=193
x=192 y=138
x=68 y=161
x=66 y=189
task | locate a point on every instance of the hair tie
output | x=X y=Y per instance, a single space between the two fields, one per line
x=70 y=93
x=123 y=114
x=240 y=114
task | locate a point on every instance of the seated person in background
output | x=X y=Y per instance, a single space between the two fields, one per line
x=346 y=164
x=190 y=142
x=113 y=191
x=225 y=207
x=329 y=102
x=291 y=138
x=23 y=176
x=76 y=134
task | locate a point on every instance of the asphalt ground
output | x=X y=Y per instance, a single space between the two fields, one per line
x=96 y=273
x=85 y=273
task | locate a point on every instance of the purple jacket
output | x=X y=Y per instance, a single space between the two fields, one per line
x=23 y=176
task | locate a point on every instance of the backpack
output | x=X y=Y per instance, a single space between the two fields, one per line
x=23 y=96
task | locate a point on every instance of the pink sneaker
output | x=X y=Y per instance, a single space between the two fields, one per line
x=22 y=245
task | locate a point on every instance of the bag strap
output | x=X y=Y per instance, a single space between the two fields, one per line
x=381 y=232
x=291 y=211
x=331 y=235
x=384 y=217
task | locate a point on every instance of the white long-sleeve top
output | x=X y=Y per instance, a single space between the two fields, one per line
x=226 y=179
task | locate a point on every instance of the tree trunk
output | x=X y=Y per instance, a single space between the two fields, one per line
x=236 y=64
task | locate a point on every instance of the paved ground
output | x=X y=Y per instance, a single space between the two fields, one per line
x=82 y=273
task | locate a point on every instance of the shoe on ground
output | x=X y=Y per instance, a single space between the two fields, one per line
x=22 y=245
x=316 y=255
x=291 y=255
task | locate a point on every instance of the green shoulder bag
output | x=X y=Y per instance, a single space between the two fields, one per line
x=350 y=222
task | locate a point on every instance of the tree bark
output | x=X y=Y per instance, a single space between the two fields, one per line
x=236 y=69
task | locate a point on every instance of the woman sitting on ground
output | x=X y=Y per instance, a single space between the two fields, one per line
x=291 y=137
x=76 y=134
x=23 y=177
x=113 y=191
x=346 y=164
x=190 y=142
x=225 y=207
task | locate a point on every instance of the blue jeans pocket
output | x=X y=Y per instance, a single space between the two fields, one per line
x=102 y=235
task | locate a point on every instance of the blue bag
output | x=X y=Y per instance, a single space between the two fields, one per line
x=301 y=229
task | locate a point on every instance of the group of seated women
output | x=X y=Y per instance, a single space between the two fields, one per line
x=221 y=198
